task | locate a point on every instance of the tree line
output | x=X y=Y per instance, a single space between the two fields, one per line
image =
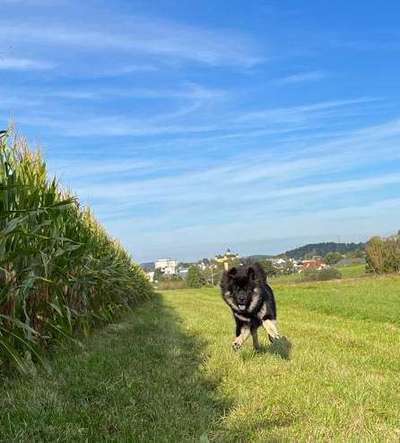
x=383 y=254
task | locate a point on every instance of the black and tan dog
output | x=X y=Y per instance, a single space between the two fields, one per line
x=246 y=292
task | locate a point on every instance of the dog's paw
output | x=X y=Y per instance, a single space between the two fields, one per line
x=236 y=345
x=273 y=339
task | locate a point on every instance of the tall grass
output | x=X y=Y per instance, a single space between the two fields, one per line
x=60 y=272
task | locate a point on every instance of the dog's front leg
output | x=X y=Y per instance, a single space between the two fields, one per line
x=254 y=335
x=268 y=324
x=241 y=338
x=272 y=331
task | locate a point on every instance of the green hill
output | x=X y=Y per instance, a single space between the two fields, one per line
x=323 y=248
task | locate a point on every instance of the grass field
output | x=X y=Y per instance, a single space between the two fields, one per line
x=348 y=271
x=353 y=271
x=167 y=374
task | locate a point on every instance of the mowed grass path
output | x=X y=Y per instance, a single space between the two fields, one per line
x=167 y=374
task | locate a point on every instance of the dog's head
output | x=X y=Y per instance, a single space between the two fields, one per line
x=241 y=282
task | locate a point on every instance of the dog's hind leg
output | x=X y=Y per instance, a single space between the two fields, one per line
x=254 y=335
x=240 y=339
x=272 y=331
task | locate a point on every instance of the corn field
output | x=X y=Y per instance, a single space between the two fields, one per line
x=60 y=273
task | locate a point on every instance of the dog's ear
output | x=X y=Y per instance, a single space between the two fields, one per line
x=227 y=276
x=256 y=272
x=261 y=275
x=231 y=273
x=259 y=272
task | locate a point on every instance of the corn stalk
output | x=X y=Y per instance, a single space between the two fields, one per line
x=60 y=272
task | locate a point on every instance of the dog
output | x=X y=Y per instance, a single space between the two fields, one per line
x=245 y=290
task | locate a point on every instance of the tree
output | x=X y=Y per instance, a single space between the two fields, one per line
x=331 y=258
x=268 y=268
x=158 y=274
x=212 y=274
x=194 y=279
x=358 y=253
x=383 y=254
x=310 y=254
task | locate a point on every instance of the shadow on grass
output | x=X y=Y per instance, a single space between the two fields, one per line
x=135 y=381
x=281 y=348
x=255 y=425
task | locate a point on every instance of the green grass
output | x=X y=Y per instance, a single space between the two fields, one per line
x=167 y=374
x=353 y=271
x=348 y=271
x=289 y=278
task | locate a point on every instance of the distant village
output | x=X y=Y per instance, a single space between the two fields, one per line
x=169 y=268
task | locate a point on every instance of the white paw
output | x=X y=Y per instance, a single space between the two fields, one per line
x=236 y=345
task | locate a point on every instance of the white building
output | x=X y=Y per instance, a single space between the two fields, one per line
x=278 y=261
x=150 y=276
x=166 y=265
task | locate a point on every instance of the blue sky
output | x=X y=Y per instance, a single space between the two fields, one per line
x=193 y=126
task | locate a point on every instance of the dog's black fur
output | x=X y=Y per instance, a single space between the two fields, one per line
x=251 y=299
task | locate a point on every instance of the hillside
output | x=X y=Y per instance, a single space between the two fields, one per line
x=298 y=253
x=258 y=257
x=322 y=249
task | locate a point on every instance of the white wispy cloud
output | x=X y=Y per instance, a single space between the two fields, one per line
x=30 y=2
x=301 y=77
x=93 y=169
x=289 y=180
x=170 y=132
x=191 y=91
x=23 y=64
x=12 y=102
x=293 y=113
x=388 y=42
x=224 y=126
x=125 y=69
x=270 y=234
x=144 y=36
x=121 y=125
x=191 y=187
